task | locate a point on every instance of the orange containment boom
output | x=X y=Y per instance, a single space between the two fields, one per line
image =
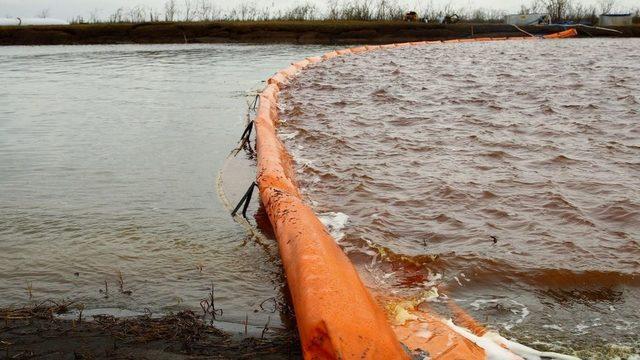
x=562 y=34
x=337 y=316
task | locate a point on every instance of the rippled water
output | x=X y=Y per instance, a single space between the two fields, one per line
x=506 y=173
x=108 y=161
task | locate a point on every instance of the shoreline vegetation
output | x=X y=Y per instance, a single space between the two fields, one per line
x=339 y=22
x=268 y=32
x=36 y=331
x=348 y=10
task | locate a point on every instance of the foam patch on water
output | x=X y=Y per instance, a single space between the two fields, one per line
x=433 y=279
x=520 y=313
x=523 y=313
x=335 y=222
x=90 y=313
x=287 y=136
x=498 y=348
x=553 y=327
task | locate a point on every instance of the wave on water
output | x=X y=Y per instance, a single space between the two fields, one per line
x=498 y=180
x=335 y=222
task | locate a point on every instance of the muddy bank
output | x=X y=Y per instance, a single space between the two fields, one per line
x=307 y=32
x=38 y=332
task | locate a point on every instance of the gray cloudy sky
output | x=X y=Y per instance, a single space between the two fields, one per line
x=67 y=9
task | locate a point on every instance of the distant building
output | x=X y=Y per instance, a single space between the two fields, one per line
x=529 y=19
x=31 y=21
x=615 y=20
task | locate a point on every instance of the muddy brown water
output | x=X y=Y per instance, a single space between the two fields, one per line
x=504 y=174
x=108 y=165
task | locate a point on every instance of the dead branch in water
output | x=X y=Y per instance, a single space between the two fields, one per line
x=208 y=306
x=184 y=326
x=43 y=310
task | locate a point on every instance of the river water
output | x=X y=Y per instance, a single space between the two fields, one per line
x=504 y=174
x=108 y=165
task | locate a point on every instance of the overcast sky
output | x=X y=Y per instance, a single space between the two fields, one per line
x=67 y=9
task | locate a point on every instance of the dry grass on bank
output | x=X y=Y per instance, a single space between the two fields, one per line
x=35 y=331
x=362 y=10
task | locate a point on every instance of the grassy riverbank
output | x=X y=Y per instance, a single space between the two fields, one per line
x=296 y=32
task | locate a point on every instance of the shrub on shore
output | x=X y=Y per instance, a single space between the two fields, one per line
x=348 y=10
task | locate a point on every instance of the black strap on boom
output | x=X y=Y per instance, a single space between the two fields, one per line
x=246 y=199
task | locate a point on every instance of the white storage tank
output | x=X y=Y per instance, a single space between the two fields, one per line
x=529 y=19
x=31 y=21
x=615 y=20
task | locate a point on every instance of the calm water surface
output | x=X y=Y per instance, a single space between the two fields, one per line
x=108 y=161
x=505 y=174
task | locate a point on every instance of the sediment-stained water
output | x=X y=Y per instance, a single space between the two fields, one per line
x=108 y=162
x=504 y=174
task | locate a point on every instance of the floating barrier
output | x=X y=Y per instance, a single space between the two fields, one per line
x=337 y=317
x=562 y=34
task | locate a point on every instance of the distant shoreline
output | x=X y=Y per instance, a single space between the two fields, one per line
x=271 y=32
